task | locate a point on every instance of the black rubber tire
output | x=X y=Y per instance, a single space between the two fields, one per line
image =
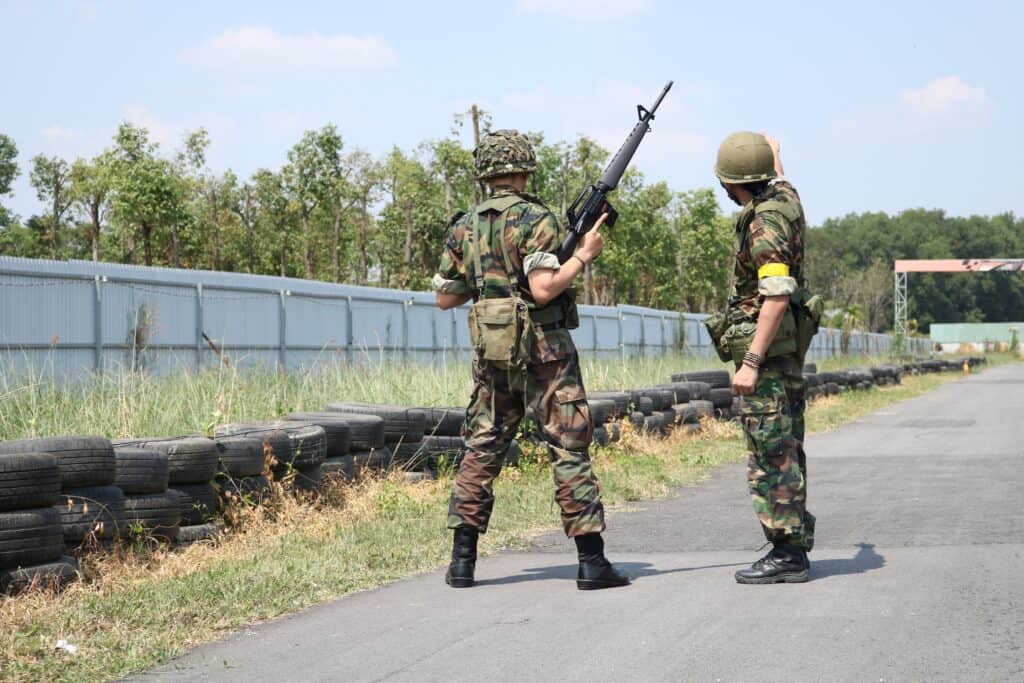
x=810 y=368
x=197 y=532
x=670 y=417
x=601 y=410
x=644 y=404
x=698 y=391
x=691 y=428
x=141 y=470
x=661 y=399
x=721 y=398
x=343 y=468
x=680 y=391
x=28 y=480
x=308 y=478
x=190 y=459
x=400 y=423
x=718 y=379
x=336 y=428
x=251 y=490
x=97 y=510
x=197 y=502
x=444 y=421
x=307 y=444
x=374 y=460
x=636 y=418
x=82 y=460
x=408 y=455
x=686 y=414
x=620 y=398
x=47 y=575
x=704 y=408
x=432 y=449
x=654 y=424
x=812 y=380
x=271 y=437
x=601 y=437
x=30 y=537
x=831 y=388
x=827 y=377
x=158 y=514
x=240 y=456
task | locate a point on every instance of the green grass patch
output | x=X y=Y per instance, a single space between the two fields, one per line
x=139 y=607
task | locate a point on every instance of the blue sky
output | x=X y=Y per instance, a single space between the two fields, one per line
x=879 y=105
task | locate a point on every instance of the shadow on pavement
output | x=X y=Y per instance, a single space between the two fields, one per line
x=865 y=560
x=635 y=570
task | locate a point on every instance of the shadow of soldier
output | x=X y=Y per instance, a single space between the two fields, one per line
x=635 y=570
x=865 y=560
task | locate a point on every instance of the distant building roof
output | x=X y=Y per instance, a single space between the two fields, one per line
x=974 y=332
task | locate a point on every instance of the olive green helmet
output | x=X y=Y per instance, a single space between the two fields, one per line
x=745 y=157
x=502 y=152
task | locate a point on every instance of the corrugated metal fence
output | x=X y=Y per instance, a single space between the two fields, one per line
x=76 y=316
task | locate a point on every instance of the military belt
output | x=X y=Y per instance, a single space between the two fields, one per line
x=548 y=327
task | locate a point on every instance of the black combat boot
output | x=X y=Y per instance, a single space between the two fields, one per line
x=460 y=571
x=784 y=564
x=596 y=571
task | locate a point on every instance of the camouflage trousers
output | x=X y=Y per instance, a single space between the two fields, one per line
x=773 y=422
x=555 y=392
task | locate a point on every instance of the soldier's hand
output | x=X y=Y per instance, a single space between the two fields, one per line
x=592 y=244
x=744 y=380
x=773 y=142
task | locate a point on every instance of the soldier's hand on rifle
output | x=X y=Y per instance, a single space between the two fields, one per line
x=592 y=244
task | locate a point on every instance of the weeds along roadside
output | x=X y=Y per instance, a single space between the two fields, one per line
x=142 y=605
x=126 y=404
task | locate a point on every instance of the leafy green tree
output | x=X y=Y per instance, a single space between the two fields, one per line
x=275 y=216
x=145 y=195
x=90 y=191
x=51 y=179
x=704 y=256
x=311 y=175
x=8 y=172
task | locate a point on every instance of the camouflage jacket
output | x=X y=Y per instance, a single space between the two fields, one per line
x=769 y=248
x=531 y=234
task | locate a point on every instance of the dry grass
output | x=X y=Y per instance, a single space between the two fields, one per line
x=141 y=605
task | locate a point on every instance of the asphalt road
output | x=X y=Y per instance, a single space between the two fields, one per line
x=918 y=575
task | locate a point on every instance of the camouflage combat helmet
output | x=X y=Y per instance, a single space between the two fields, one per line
x=504 y=151
x=745 y=157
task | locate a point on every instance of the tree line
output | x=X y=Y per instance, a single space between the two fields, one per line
x=337 y=213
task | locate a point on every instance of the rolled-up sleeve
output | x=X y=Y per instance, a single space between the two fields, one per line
x=451 y=274
x=540 y=245
x=772 y=252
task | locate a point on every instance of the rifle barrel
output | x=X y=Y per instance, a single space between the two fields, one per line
x=617 y=166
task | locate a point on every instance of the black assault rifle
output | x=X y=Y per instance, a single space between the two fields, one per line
x=593 y=201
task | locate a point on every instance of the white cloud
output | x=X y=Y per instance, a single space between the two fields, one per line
x=261 y=48
x=587 y=9
x=944 y=95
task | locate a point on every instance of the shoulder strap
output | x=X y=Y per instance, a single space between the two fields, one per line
x=789 y=210
x=487 y=215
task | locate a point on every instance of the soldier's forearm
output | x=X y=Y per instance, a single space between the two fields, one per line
x=546 y=284
x=446 y=301
x=768 y=321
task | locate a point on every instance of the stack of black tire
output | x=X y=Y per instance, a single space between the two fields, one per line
x=297 y=450
x=403 y=431
x=169 y=486
x=54 y=493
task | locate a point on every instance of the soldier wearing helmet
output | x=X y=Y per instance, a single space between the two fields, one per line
x=764 y=345
x=502 y=256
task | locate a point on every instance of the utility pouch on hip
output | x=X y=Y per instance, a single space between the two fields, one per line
x=501 y=332
x=570 y=313
x=809 y=309
x=716 y=325
x=740 y=335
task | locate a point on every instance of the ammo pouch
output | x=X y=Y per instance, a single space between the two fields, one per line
x=501 y=331
x=809 y=309
x=740 y=335
x=716 y=325
x=570 y=314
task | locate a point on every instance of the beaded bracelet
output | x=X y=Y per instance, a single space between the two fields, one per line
x=753 y=360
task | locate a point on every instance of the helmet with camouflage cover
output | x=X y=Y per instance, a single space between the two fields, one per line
x=745 y=157
x=504 y=151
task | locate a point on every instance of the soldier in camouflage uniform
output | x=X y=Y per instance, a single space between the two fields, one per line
x=769 y=269
x=505 y=248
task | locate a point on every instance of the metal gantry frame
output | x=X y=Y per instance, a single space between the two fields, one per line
x=899 y=300
x=902 y=267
